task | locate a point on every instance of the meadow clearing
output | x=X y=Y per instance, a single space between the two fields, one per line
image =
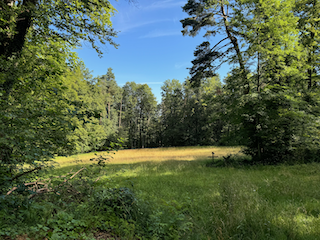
x=248 y=202
x=174 y=193
x=129 y=156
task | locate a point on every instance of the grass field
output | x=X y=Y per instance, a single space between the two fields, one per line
x=130 y=156
x=175 y=196
x=253 y=202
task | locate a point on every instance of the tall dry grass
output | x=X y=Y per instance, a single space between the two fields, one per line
x=129 y=156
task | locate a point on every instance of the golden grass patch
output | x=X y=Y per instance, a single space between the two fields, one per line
x=128 y=156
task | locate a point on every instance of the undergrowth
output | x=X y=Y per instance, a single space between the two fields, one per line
x=84 y=206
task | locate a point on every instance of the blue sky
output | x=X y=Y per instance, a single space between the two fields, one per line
x=152 y=48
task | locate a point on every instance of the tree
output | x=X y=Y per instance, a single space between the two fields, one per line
x=189 y=114
x=212 y=110
x=146 y=107
x=272 y=39
x=139 y=106
x=57 y=20
x=172 y=113
x=38 y=113
x=70 y=21
x=110 y=95
x=129 y=113
x=217 y=16
x=308 y=12
x=267 y=104
x=89 y=134
x=34 y=121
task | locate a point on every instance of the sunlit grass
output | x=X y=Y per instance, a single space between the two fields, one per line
x=264 y=202
x=129 y=156
x=248 y=202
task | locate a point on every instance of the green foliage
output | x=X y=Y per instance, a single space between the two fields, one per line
x=54 y=19
x=119 y=201
x=173 y=200
x=109 y=96
x=266 y=100
x=139 y=107
x=63 y=214
x=45 y=93
x=172 y=113
x=244 y=202
x=88 y=134
x=189 y=115
x=34 y=122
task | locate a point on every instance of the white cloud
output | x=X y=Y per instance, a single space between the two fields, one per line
x=164 y=4
x=127 y=26
x=161 y=33
x=144 y=14
x=182 y=65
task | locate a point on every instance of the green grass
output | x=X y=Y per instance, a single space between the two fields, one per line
x=185 y=199
x=256 y=202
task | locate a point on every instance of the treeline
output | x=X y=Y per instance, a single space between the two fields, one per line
x=121 y=114
x=269 y=102
x=130 y=114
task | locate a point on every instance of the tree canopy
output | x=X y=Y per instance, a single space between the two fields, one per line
x=43 y=87
x=271 y=90
x=36 y=21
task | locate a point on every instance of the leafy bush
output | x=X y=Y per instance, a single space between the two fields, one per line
x=77 y=205
x=120 y=200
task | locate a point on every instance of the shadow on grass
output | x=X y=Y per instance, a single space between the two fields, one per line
x=280 y=202
x=228 y=199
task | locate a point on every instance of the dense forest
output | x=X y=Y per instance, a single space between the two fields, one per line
x=268 y=103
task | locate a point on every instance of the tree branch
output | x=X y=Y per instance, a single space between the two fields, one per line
x=218 y=43
x=24 y=173
x=45 y=189
x=234 y=41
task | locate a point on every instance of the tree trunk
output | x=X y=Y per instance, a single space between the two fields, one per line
x=120 y=113
x=109 y=108
x=235 y=44
x=11 y=45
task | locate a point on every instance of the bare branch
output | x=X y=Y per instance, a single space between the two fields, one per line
x=24 y=173
x=218 y=43
x=34 y=185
